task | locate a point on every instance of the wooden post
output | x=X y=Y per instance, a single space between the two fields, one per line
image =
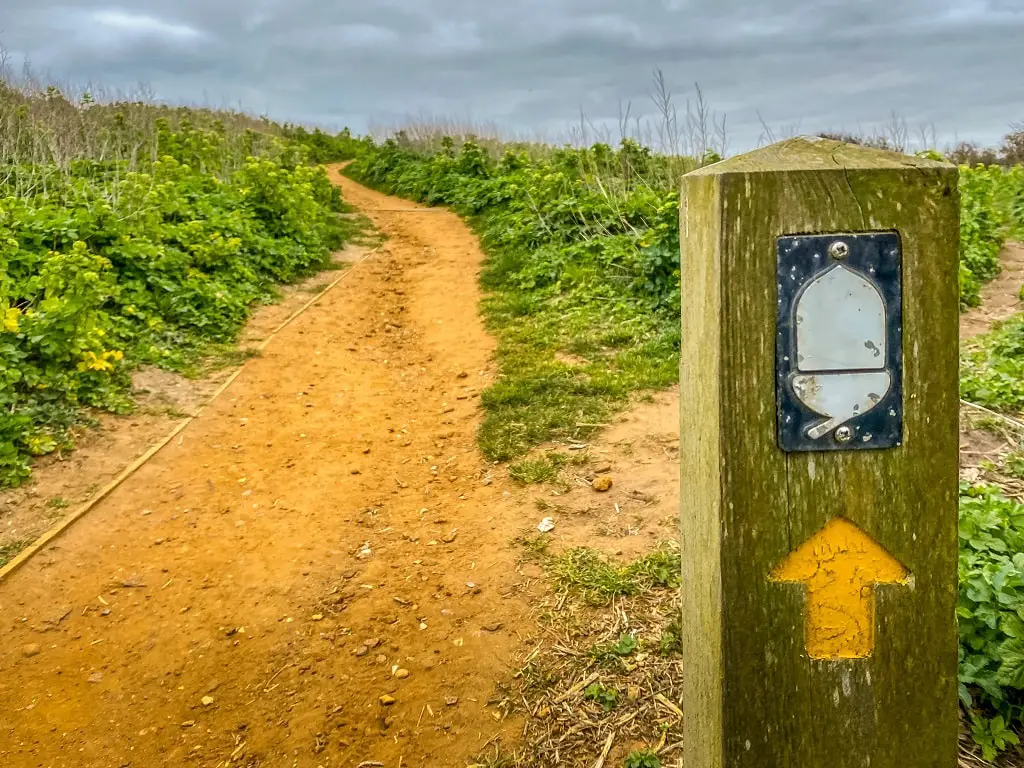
x=819 y=520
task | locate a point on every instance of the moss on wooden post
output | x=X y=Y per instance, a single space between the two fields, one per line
x=770 y=681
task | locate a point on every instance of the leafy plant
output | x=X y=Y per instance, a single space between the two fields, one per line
x=993 y=736
x=990 y=612
x=992 y=367
x=642 y=759
x=671 y=641
x=991 y=210
x=612 y=652
x=606 y=698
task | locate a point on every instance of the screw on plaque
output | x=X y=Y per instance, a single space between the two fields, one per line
x=843 y=435
x=839 y=250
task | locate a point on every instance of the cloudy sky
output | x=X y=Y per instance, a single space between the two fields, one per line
x=531 y=65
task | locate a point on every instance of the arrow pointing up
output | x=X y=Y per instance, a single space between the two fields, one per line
x=840 y=566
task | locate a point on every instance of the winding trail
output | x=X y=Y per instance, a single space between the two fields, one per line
x=215 y=609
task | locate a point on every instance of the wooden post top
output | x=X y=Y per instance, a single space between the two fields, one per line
x=810 y=153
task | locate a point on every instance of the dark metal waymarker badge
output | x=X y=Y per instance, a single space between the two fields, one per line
x=838 y=354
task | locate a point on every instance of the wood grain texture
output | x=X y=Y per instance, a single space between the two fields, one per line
x=747 y=504
x=701 y=459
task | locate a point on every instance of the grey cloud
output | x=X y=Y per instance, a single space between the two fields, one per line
x=531 y=65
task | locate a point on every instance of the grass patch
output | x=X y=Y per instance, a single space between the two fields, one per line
x=542 y=470
x=535 y=545
x=540 y=398
x=592 y=576
x=591 y=664
x=545 y=468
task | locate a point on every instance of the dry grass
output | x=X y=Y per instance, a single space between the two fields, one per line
x=604 y=679
x=690 y=130
x=46 y=124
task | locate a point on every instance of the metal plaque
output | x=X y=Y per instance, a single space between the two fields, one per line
x=838 y=353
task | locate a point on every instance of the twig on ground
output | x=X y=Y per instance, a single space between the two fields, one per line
x=1015 y=422
x=604 y=752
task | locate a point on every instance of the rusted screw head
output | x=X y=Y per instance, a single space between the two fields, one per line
x=839 y=250
x=843 y=435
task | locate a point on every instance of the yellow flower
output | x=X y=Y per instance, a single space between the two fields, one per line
x=101 y=362
x=11 y=317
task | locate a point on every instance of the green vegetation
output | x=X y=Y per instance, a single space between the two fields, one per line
x=596 y=580
x=606 y=698
x=144 y=235
x=541 y=470
x=642 y=759
x=324 y=148
x=671 y=641
x=536 y=545
x=990 y=613
x=611 y=653
x=992 y=367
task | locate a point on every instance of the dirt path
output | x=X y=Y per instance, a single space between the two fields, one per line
x=1000 y=298
x=215 y=609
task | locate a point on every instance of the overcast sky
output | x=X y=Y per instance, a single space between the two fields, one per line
x=531 y=65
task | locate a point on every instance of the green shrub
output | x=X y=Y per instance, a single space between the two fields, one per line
x=990 y=613
x=325 y=148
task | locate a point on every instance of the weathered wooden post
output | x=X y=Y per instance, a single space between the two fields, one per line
x=819 y=459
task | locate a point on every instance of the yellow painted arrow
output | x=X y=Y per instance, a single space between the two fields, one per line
x=840 y=566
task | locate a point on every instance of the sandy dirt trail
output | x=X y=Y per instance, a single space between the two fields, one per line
x=215 y=609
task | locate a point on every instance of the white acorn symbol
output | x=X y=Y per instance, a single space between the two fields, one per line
x=840 y=347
